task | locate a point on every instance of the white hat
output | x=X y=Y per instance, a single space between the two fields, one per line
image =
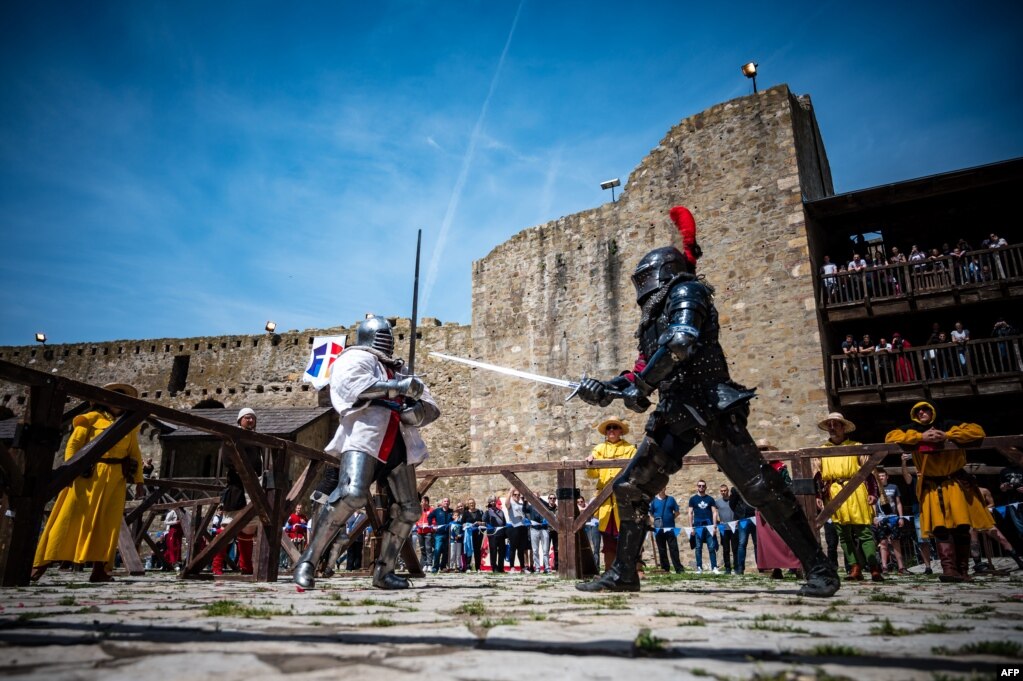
x=836 y=416
x=245 y=411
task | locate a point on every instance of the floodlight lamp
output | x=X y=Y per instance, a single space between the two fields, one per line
x=749 y=70
x=270 y=327
x=608 y=184
x=41 y=337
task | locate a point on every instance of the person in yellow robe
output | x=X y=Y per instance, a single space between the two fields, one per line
x=854 y=518
x=613 y=447
x=950 y=501
x=85 y=522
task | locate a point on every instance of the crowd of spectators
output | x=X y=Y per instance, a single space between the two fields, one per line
x=944 y=354
x=930 y=268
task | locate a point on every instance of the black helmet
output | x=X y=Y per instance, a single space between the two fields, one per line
x=375 y=332
x=657 y=268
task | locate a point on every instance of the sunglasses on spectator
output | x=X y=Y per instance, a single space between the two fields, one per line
x=613 y=428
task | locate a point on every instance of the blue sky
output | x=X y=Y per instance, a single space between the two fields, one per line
x=172 y=169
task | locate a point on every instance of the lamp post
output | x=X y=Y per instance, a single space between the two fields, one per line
x=41 y=338
x=611 y=184
x=749 y=70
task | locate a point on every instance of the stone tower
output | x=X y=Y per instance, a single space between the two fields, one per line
x=556 y=299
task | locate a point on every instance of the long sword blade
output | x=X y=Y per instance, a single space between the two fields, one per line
x=560 y=382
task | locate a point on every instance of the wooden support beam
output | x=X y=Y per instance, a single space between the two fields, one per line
x=250 y=481
x=267 y=551
x=91 y=453
x=198 y=561
x=532 y=498
x=850 y=487
x=129 y=554
x=36 y=444
x=135 y=513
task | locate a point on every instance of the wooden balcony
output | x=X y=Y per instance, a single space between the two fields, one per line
x=931 y=372
x=975 y=276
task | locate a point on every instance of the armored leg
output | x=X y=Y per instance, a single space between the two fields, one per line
x=404 y=512
x=352 y=493
x=729 y=443
x=644 y=477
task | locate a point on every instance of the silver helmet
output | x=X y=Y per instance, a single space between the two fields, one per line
x=375 y=332
x=657 y=268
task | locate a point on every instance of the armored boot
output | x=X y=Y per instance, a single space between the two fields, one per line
x=622 y=575
x=330 y=520
x=383 y=567
x=791 y=524
x=354 y=477
x=404 y=512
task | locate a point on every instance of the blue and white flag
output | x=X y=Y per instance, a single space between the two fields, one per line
x=324 y=351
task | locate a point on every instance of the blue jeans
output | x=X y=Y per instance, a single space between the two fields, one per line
x=440 y=550
x=705 y=536
x=744 y=529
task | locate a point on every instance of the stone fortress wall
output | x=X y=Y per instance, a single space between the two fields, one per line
x=254 y=371
x=556 y=299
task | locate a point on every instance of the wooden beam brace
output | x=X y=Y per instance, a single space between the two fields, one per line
x=532 y=498
x=250 y=482
x=849 y=487
x=92 y=452
x=135 y=513
x=198 y=561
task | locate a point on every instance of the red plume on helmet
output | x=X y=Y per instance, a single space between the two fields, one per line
x=686 y=225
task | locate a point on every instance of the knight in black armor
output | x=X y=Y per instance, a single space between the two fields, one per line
x=377 y=441
x=681 y=358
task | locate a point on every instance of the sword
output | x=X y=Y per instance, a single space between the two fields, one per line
x=560 y=382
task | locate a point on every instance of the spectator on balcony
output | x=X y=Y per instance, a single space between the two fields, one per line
x=883 y=351
x=856 y=266
x=904 y=371
x=946 y=361
x=964 y=245
x=995 y=241
x=867 y=362
x=917 y=258
x=828 y=272
x=1003 y=329
x=960 y=336
x=843 y=284
x=960 y=265
x=851 y=352
x=897 y=257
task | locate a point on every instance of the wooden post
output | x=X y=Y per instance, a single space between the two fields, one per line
x=267 y=553
x=568 y=540
x=36 y=442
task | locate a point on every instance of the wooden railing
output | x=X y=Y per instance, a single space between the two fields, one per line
x=886 y=282
x=987 y=358
x=30 y=481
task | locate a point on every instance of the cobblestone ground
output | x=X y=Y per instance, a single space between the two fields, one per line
x=482 y=626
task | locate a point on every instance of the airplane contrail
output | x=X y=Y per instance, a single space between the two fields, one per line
x=470 y=152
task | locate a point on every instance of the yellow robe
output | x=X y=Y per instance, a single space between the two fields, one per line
x=603 y=451
x=85 y=522
x=944 y=502
x=855 y=510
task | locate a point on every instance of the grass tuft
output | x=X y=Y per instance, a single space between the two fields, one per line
x=648 y=644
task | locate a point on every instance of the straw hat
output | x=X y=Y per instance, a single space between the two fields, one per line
x=602 y=428
x=836 y=416
x=128 y=390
